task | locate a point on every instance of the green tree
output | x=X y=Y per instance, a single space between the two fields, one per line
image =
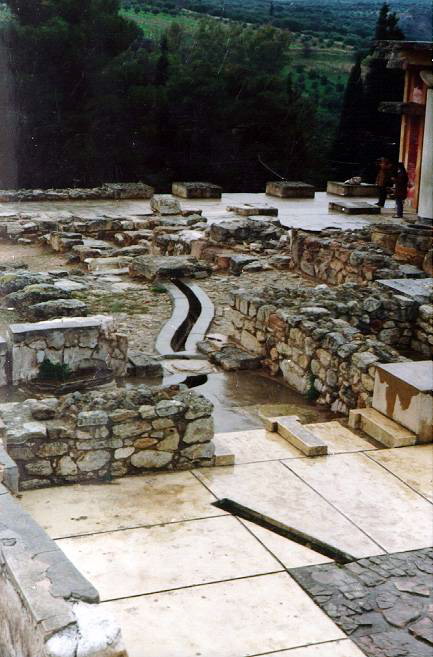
x=60 y=50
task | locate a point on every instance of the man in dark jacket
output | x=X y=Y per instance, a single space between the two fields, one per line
x=401 y=181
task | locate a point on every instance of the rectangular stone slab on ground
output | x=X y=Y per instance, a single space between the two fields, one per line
x=196 y=190
x=306 y=441
x=345 y=189
x=250 y=616
x=250 y=210
x=353 y=207
x=380 y=427
x=290 y=189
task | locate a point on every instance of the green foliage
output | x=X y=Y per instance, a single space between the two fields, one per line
x=158 y=289
x=312 y=393
x=49 y=371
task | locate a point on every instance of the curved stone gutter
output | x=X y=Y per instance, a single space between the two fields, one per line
x=192 y=314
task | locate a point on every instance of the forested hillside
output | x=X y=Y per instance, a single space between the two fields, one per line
x=155 y=90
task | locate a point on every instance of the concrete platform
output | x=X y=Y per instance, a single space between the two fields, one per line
x=404 y=393
x=353 y=207
x=345 y=189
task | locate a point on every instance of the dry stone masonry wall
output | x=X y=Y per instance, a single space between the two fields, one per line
x=326 y=341
x=100 y=435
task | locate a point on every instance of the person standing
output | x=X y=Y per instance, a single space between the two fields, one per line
x=383 y=179
x=401 y=181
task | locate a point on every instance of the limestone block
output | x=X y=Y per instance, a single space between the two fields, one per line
x=196 y=190
x=39 y=467
x=201 y=430
x=123 y=453
x=290 y=189
x=92 y=419
x=171 y=442
x=151 y=459
x=201 y=451
x=165 y=206
x=131 y=429
x=93 y=460
x=66 y=466
x=295 y=376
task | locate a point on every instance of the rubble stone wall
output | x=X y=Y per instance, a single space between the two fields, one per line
x=325 y=342
x=349 y=257
x=3 y=362
x=422 y=340
x=79 y=342
x=100 y=435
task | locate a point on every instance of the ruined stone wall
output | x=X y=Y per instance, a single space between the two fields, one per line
x=350 y=257
x=422 y=340
x=100 y=435
x=79 y=342
x=325 y=342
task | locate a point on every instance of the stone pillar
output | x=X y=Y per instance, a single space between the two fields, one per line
x=425 y=205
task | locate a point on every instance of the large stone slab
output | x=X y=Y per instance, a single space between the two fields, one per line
x=122 y=564
x=154 y=267
x=404 y=393
x=196 y=190
x=380 y=427
x=382 y=506
x=413 y=465
x=145 y=500
x=353 y=207
x=345 y=189
x=419 y=289
x=274 y=492
x=250 y=616
x=290 y=189
x=251 y=210
x=303 y=439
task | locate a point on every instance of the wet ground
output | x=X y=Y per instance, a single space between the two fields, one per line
x=309 y=214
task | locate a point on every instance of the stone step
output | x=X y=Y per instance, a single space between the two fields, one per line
x=297 y=435
x=223 y=456
x=380 y=427
x=353 y=207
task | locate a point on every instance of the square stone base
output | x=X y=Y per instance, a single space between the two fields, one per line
x=290 y=189
x=196 y=190
x=353 y=207
x=344 y=189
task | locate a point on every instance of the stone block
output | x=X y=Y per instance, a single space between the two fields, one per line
x=403 y=392
x=165 y=205
x=196 y=190
x=380 y=427
x=172 y=267
x=346 y=189
x=303 y=439
x=290 y=189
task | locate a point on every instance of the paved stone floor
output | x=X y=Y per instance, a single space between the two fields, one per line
x=384 y=603
x=297 y=213
x=185 y=579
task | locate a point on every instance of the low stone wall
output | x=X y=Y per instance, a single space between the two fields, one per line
x=100 y=435
x=3 y=362
x=350 y=257
x=47 y=608
x=422 y=340
x=325 y=342
x=108 y=191
x=79 y=343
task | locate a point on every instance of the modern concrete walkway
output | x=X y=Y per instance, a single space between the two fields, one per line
x=310 y=214
x=186 y=579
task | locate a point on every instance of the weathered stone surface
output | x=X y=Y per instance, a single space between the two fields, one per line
x=151 y=459
x=165 y=205
x=144 y=364
x=92 y=419
x=196 y=190
x=93 y=460
x=59 y=308
x=169 y=407
x=153 y=267
x=290 y=189
x=199 y=431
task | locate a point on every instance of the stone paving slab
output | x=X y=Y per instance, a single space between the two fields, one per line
x=127 y=502
x=291 y=554
x=387 y=510
x=338 y=438
x=276 y=493
x=343 y=648
x=385 y=603
x=258 y=445
x=138 y=561
x=413 y=465
x=239 y=618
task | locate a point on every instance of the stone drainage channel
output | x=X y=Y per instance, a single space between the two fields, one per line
x=191 y=317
